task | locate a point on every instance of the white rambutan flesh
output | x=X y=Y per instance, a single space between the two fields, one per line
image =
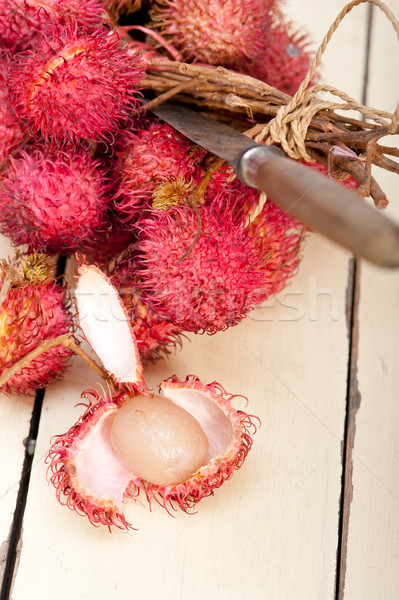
x=158 y=440
x=105 y=324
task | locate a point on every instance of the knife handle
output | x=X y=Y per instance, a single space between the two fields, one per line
x=320 y=203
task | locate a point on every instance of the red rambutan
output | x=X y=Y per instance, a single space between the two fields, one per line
x=97 y=464
x=204 y=282
x=154 y=154
x=285 y=59
x=248 y=36
x=22 y=20
x=54 y=204
x=73 y=85
x=33 y=309
x=224 y=32
x=11 y=134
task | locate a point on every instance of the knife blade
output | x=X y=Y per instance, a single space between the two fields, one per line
x=313 y=199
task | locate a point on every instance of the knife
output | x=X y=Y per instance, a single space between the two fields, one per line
x=313 y=199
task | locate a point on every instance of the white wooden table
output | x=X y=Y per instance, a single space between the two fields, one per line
x=314 y=513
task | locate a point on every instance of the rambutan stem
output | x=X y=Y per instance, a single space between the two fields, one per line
x=72 y=345
x=65 y=340
x=197 y=195
x=158 y=38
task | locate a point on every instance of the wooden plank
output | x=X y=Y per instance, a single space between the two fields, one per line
x=15 y=414
x=372 y=564
x=272 y=531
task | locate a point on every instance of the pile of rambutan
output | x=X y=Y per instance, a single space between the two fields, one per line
x=179 y=244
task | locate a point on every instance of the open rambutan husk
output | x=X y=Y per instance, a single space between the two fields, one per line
x=92 y=480
x=87 y=466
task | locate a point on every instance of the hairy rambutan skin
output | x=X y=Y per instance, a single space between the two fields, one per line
x=225 y=32
x=30 y=314
x=249 y=36
x=153 y=154
x=73 y=85
x=276 y=236
x=208 y=288
x=11 y=134
x=54 y=203
x=104 y=510
x=22 y=20
x=62 y=474
x=285 y=60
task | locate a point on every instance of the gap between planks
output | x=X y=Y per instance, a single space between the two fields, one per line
x=353 y=395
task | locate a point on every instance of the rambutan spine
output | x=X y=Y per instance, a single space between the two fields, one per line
x=74 y=85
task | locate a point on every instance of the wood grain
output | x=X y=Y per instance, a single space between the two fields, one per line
x=372 y=565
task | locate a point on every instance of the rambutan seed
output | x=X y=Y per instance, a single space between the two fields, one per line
x=74 y=85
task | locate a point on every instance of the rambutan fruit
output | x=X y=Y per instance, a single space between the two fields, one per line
x=198 y=267
x=225 y=32
x=34 y=308
x=276 y=236
x=11 y=134
x=249 y=36
x=73 y=85
x=54 y=203
x=176 y=448
x=154 y=154
x=22 y=20
x=285 y=59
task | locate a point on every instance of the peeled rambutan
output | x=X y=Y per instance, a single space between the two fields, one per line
x=99 y=463
x=54 y=203
x=154 y=154
x=74 y=85
x=176 y=448
x=34 y=308
x=225 y=32
x=22 y=20
x=198 y=267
